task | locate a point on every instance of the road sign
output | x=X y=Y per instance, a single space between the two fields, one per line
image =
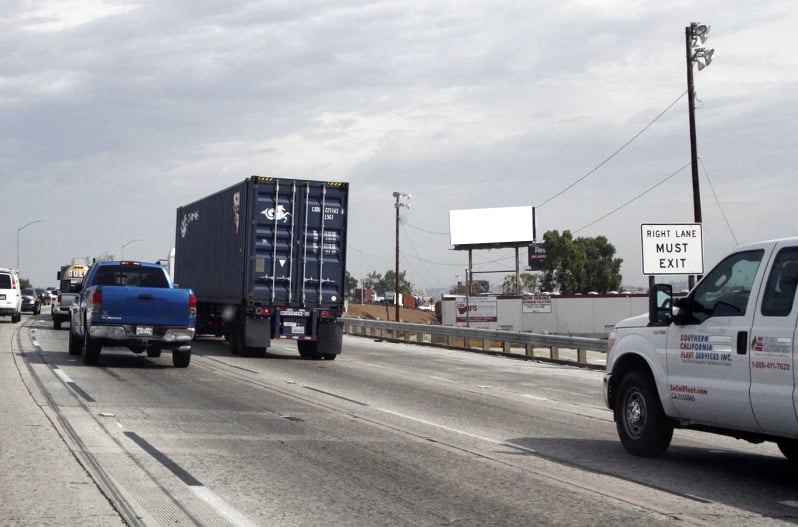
x=672 y=248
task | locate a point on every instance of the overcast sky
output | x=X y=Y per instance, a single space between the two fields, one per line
x=114 y=113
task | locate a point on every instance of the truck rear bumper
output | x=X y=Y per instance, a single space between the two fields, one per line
x=166 y=336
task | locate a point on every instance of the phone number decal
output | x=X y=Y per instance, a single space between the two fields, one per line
x=763 y=365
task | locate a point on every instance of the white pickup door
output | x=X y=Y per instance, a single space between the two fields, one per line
x=709 y=370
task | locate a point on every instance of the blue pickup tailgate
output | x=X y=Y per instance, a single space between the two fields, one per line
x=143 y=305
x=138 y=294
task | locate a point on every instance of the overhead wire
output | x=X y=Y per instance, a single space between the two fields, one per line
x=722 y=213
x=632 y=200
x=618 y=151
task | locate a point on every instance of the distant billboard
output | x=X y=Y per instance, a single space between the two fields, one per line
x=493 y=227
x=536 y=256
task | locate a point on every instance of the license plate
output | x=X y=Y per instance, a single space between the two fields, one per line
x=144 y=331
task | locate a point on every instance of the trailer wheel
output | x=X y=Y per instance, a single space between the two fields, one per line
x=236 y=337
x=642 y=425
x=308 y=349
x=91 y=349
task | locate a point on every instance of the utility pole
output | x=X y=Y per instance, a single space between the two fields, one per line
x=397 y=205
x=694 y=36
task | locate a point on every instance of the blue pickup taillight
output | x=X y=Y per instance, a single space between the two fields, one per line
x=97 y=298
x=192 y=305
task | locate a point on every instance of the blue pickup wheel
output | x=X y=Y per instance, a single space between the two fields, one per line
x=75 y=344
x=91 y=349
x=181 y=358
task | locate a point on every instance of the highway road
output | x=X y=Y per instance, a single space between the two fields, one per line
x=387 y=434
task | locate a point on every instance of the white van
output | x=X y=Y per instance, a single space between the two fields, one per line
x=10 y=295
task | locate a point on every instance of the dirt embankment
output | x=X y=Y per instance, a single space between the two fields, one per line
x=386 y=312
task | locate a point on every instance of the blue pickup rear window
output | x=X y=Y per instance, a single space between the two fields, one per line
x=132 y=276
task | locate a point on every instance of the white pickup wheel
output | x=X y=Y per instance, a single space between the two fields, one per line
x=643 y=427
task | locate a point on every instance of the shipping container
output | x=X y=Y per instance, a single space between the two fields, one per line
x=266 y=259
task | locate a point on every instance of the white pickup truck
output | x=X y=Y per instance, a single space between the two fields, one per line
x=722 y=359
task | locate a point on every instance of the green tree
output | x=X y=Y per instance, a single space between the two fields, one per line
x=528 y=284
x=405 y=287
x=350 y=284
x=580 y=265
x=381 y=284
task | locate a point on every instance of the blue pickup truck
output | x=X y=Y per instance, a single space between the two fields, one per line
x=132 y=304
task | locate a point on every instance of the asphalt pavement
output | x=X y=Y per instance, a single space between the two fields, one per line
x=42 y=481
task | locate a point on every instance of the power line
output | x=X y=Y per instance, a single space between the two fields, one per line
x=706 y=174
x=424 y=230
x=618 y=151
x=632 y=200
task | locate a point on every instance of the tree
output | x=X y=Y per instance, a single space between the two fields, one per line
x=528 y=284
x=405 y=287
x=580 y=265
x=350 y=285
x=381 y=284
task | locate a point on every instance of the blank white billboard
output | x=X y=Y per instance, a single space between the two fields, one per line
x=491 y=226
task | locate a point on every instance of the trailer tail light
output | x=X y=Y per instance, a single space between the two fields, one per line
x=260 y=311
x=192 y=305
x=325 y=314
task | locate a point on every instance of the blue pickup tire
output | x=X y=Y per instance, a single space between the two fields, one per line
x=181 y=358
x=75 y=344
x=91 y=349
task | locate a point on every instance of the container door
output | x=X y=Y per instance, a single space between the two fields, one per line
x=273 y=241
x=323 y=232
x=299 y=242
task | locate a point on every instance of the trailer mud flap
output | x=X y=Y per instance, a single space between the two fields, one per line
x=257 y=332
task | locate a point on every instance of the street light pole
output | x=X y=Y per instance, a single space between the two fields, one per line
x=397 y=205
x=694 y=36
x=122 y=251
x=26 y=225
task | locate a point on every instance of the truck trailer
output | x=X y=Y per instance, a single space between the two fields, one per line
x=266 y=259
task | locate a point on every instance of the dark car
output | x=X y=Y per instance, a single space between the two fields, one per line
x=30 y=301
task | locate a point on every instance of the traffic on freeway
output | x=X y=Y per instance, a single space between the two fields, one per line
x=388 y=434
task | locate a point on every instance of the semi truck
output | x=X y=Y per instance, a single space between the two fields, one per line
x=266 y=259
x=69 y=280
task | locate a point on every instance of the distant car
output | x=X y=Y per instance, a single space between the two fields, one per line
x=10 y=295
x=44 y=296
x=30 y=301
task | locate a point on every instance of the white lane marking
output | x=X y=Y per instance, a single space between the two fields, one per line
x=454 y=430
x=535 y=397
x=63 y=376
x=222 y=507
x=441 y=378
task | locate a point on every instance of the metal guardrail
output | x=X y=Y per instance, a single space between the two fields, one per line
x=487 y=339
